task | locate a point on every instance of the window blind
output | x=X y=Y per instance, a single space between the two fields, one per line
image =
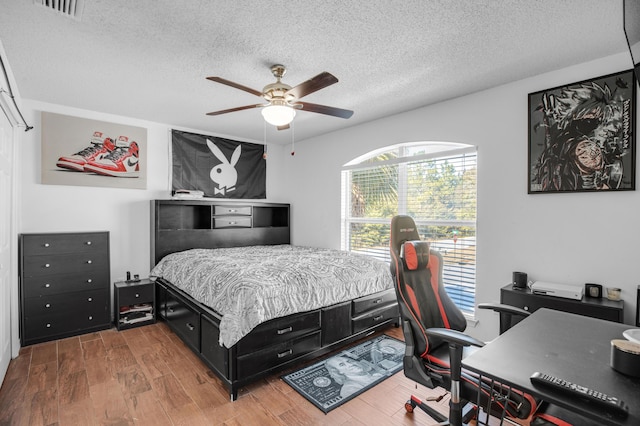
x=437 y=189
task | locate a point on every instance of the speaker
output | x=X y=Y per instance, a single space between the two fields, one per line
x=593 y=290
x=519 y=280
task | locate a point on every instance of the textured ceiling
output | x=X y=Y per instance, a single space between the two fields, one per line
x=148 y=59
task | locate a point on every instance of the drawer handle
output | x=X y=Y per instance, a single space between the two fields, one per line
x=89 y=262
x=285 y=353
x=190 y=326
x=46 y=265
x=48 y=325
x=375 y=302
x=47 y=285
x=232 y=210
x=90 y=299
x=90 y=318
x=285 y=330
x=232 y=222
x=48 y=305
x=378 y=318
x=88 y=243
x=137 y=295
x=89 y=280
x=46 y=244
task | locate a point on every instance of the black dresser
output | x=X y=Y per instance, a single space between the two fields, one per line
x=64 y=285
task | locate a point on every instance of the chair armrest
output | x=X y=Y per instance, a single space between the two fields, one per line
x=507 y=309
x=454 y=336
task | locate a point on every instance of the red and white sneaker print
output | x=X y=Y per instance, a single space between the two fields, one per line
x=100 y=147
x=121 y=162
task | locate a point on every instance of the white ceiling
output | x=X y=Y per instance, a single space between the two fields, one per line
x=148 y=59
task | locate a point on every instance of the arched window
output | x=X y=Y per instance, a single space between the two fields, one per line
x=433 y=182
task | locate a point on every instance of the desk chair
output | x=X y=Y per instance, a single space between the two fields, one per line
x=435 y=344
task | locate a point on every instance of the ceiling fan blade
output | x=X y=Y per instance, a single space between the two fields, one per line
x=314 y=84
x=224 y=111
x=285 y=127
x=236 y=85
x=323 y=109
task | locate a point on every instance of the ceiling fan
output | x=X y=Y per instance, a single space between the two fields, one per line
x=283 y=100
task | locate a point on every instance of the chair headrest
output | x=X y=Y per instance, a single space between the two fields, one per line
x=403 y=228
x=415 y=254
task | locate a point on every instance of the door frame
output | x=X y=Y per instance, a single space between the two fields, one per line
x=9 y=109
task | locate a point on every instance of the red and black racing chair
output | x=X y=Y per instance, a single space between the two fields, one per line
x=432 y=328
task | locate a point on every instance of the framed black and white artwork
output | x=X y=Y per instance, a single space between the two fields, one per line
x=582 y=136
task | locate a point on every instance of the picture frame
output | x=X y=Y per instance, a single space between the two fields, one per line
x=582 y=136
x=67 y=141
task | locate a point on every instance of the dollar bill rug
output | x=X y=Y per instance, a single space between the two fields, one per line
x=335 y=380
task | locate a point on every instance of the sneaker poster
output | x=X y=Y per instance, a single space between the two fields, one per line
x=85 y=152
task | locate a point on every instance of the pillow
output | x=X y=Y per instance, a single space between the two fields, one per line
x=415 y=254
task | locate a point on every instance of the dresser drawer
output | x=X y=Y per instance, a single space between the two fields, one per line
x=375 y=317
x=274 y=355
x=69 y=304
x=135 y=294
x=34 y=266
x=232 y=222
x=232 y=210
x=48 y=327
x=374 y=301
x=279 y=330
x=183 y=319
x=64 y=283
x=41 y=244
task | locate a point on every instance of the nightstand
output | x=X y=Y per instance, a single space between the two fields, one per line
x=135 y=303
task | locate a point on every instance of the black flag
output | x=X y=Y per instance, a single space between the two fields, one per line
x=221 y=168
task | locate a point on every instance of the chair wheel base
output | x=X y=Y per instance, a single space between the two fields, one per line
x=409 y=406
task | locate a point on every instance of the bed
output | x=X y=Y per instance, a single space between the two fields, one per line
x=248 y=303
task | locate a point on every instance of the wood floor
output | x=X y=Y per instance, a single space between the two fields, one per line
x=147 y=376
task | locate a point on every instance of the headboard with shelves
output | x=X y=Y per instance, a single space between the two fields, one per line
x=179 y=225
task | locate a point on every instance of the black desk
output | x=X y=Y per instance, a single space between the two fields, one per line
x=602 y=308
x=573 y=347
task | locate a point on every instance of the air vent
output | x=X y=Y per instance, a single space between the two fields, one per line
x=71 y=8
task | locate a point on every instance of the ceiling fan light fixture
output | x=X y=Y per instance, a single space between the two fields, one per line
x=278 y=115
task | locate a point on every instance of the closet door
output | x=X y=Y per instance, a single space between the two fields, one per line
x=6 y=244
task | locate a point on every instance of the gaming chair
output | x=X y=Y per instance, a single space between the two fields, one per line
x=435 y=344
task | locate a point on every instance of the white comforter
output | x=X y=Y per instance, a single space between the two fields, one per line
x=250 y=285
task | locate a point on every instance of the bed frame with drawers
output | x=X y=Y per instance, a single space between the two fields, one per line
x=274 y=345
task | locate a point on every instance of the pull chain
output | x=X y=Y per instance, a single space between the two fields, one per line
x=293 y=139
x=264 y=137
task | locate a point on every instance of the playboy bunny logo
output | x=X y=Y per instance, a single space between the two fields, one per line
x=224 y=174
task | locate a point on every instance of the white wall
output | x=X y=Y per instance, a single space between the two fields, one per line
x=566 y=238
x=125 y=213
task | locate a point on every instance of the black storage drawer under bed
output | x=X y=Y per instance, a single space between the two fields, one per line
x=374 y=317
x=373 y=301
x=183 y=319
x=272 y=356
x=279 y=330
